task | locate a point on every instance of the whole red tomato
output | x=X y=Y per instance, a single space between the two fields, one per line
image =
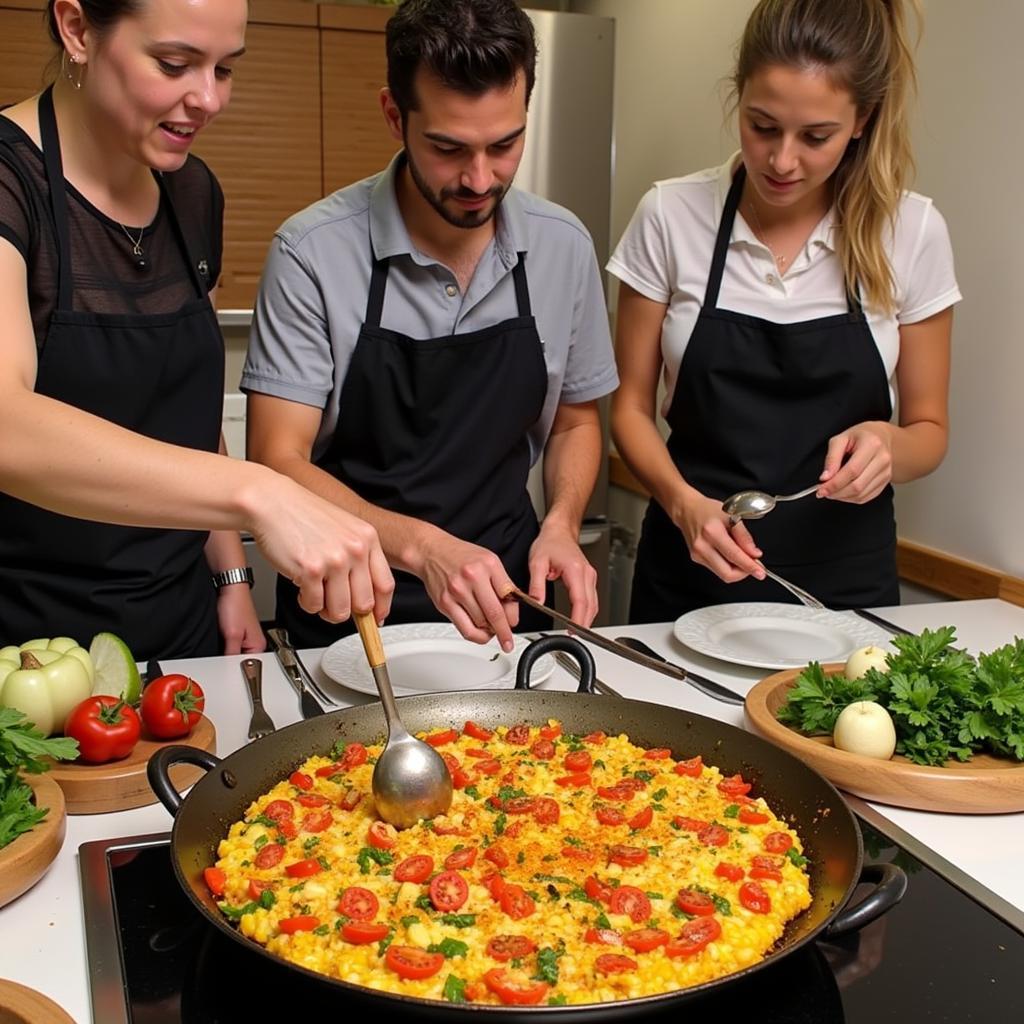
x=171 y=706
x=106 y=728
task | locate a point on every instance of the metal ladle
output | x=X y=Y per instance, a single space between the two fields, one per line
x=757 y=504
x=410 y=779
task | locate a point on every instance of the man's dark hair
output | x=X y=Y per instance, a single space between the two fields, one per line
x=470 y=45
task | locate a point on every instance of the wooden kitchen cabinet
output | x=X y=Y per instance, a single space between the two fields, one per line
x=26 y=49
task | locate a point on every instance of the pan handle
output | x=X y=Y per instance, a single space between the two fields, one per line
x=891 y=884
x=158 y=771
x=547 y=644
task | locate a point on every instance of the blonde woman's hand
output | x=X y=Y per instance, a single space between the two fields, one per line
x=729 y=552
x=333 y=557
x=867 y=450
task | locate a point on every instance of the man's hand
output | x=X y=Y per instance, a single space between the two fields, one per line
x=556 y=554
x=467 y=583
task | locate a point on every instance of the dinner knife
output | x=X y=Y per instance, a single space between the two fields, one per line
x=884 y=623
x=568 y=662
x=706 y=686
x=289 y=664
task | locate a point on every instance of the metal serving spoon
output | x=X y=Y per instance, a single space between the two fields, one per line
x=757 y=504
x=410 y=779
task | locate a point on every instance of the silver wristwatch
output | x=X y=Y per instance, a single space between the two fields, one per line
x=228 y=576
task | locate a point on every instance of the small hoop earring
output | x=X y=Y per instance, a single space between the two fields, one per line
x=75 y=81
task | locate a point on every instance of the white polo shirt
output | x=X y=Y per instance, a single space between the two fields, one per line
x=666 y=250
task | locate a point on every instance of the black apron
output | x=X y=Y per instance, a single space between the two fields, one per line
x=158 y=375
x=754 y=406
x=437 y=429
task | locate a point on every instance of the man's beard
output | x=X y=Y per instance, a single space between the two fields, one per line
x=457 y=218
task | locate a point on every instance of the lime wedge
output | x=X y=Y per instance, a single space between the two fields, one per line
x=116 y=672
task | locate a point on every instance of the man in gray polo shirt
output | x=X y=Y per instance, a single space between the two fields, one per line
x=422 y=336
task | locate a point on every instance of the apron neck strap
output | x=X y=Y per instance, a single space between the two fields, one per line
x=58 y=199
x=522 y=289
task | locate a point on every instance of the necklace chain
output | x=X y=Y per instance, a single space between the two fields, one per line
x=136 y=242
x=780 y=261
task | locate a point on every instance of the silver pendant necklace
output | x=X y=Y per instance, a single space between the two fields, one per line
x=780 y=261
x=137 y=250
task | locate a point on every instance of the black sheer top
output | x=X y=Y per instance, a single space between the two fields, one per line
x=105 y=276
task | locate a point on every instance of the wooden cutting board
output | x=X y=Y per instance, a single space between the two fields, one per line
x=24 y=862
x=121 y=785
x=982 y=785
x=22 y=1005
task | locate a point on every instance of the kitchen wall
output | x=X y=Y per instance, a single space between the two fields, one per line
x=670 y=60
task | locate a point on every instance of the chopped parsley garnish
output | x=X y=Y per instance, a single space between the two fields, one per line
x=310 y=843
x=732 y=811
x=552 y=878
x=409 y=919
x=321 y=929
x=547 y=964
x=473 y=792
x=797 y=858
x=459 y=920
x=659 y=794
x=449 y=948
x=454 y=989
x=371 y=853
x=499 y=824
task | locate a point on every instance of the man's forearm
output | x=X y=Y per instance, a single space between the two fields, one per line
x=572 y=460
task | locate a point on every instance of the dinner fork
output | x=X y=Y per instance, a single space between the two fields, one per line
x=801 y=595
x=260 y=724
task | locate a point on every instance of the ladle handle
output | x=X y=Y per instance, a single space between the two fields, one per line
x=374 y=648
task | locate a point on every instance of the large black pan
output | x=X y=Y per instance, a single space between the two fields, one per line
x=829 y=831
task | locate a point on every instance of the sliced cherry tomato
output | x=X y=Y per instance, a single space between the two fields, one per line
x=477 y=752
x=439 y=739
x=350 y=801
x=382 y=835
x=627 y=856
x=269 y=857
x=751 y=817
x=316 y=821
x=692 y=901
x=610 y=816
x=489 y=767
x=303 y=868
x=278 y=810
x=692 y=768
x=312 y=800
x=510 y=947
x=448 y=891
x=414 y=869
x=582 y=854
x=732 y=872
x=300 y=780
x=494 y=883
x=461 y=779
x=694 y=937
x=515 y=988
x=358 y=903
x=622 y=794
x=518 y=735
x=542 y=750
x=361 y=933
x=632 y=783
x=477 y=732
x=442 y=827
x=642 y=818
x=515 y=829
x=689 y=824
x=603 y=936
x=595 y=739
x=516 y=903
x=171 y=706
x=578 y=761
x=287 y=828
x=576 y=781
x=735 y=785
x=754 y=898
x=643 y=940
x=551 y=731
x=216 y=879
x=451 y=762
x=598 y=890
x=767 y=863
x=302 y=923
x=520 y=805
x=631 y=901
x=769 y=874
x=498 y=856
x=546 y=810
x=412 y=963
x=657 y=754
x=328 y=770
x=354 y=755
x=714 y=835
x=777 y=842
x=614 y=963
x=464 y=858
x=257 y=886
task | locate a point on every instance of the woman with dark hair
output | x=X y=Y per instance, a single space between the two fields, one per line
x=786 y=299
x=111 y=360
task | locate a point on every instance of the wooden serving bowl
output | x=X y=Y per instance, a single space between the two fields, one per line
x=983 y=785
x=22 y=1005
x=24 y=862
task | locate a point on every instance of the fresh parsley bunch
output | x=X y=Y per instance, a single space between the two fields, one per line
x=944 y=704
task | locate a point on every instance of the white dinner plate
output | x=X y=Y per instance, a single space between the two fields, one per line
x=775 y=635
x=430 y=657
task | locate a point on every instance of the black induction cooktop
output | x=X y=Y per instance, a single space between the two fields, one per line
x=937 y=956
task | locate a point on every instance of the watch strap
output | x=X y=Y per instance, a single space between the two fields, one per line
x=226 y=577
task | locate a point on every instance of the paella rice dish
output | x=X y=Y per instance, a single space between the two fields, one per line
x=569 y=869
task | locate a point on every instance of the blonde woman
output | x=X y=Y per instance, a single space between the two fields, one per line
x=787 y=299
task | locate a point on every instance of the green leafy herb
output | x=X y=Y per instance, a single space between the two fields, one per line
x=475 y=794
x=499 y=824
x=552 y=878
x=601 y=921
x=308 y=844
x=797 y=858
x=659 y=794
x=382 y=946
x=371 y=853
x=459 y=920
x=338 y=749
x=236 y=913
x=267 y=899
x=454 y=989
x=424 y=903
x=560 y=1000
x=409 y=919
x=449 y=948
x=321 y=929
x=547 y=964
x=732 y=811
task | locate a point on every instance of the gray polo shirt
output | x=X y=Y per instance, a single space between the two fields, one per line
x=312 y=299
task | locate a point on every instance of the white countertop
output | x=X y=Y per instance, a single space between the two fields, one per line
x=42 y=940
